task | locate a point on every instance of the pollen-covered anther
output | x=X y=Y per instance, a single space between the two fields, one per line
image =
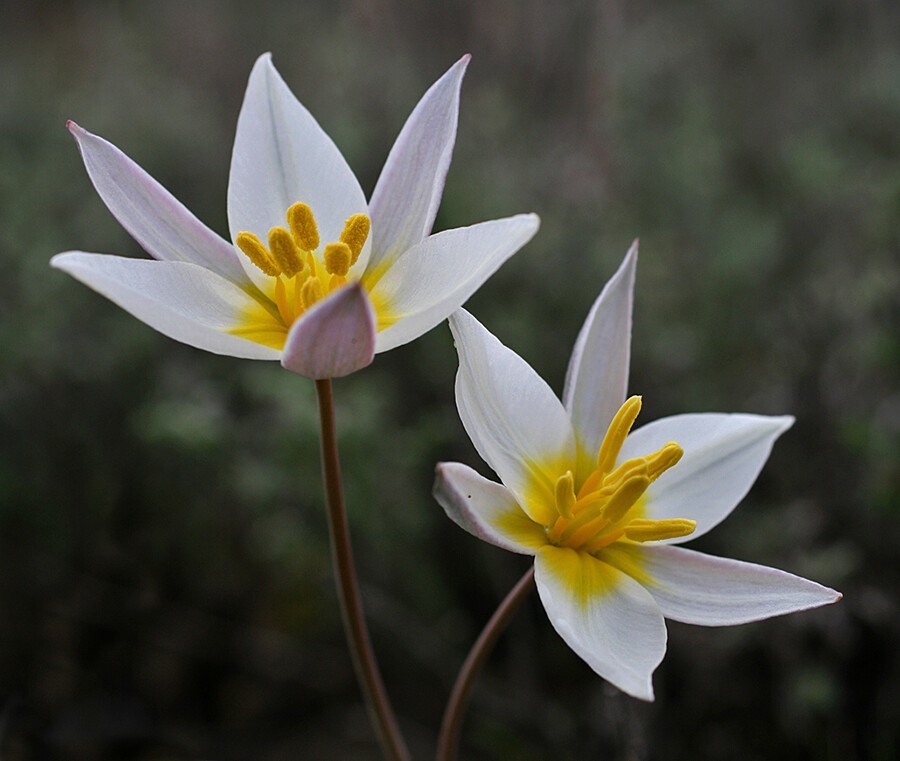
x=644 y=530
x=355 y=233
x=303 y=226
x=338 y=259
x=285 y=251
x=257 y=253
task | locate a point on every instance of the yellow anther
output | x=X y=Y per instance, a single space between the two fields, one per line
x=643 y=530
x=624 y=497
x=311 y=292
x=338 y=258
x=565 y=494
x=663 y=459
x=616 y=433
x=354 y=234
x=285 y=251
x=303 y=226
x=257 y=253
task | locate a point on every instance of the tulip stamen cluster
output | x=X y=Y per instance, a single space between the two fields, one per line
x=301 y=278
x=605 y=508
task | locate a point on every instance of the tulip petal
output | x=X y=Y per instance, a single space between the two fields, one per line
x=334 y=338
x=486 y=509
x=281 y=156
x=408 y=192
x=604 y=615
x=434 y=278
x=162 y=226
x=723 y=455
x=179 y=299
x=515 y=421
x=597 y=378
x=702 y=589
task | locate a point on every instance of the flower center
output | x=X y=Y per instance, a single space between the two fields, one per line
x=603 y=509
x=301 y=275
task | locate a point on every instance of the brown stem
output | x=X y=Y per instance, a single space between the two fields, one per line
x=374 y=693
x=448 y=743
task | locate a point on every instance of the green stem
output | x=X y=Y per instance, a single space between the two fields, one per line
x=374 y=693
x=448 y=743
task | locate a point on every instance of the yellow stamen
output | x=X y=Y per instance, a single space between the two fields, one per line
x=663 y=459
x=303 y=226
x=565 y=494
x=256 y=252
x=643 y=530
x=281 y=302
x=285 y=251
x=338 y=258
x=354 y=234
x=311 y=292
x=616 y=433
x=624 y=498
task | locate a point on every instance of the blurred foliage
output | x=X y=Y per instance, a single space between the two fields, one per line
x=165 y=587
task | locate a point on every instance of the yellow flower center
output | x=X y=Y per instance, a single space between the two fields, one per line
x=607 y=506
x=301 y=275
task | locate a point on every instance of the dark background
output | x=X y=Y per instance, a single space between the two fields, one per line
x=165 y=587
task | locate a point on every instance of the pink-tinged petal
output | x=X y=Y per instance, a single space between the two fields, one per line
x=162 y=226
x=514 y=420
x=334 y=338
x=604 y=615
x=179 y=299
x=723 y=455
x=434 y=278
x=486 y=509
x=597 y=379
x=281 y=156
x=702 y=589
x=408 y=192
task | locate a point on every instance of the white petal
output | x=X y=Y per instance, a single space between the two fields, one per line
x=486 y=509
x=723 y=455
x=181 y=300
x=702 y=589
x=163 y=227
x=514 y=420
x=597 y=378
x=334 y=338
x=281 y=156
x=408 y=192
x=605 y=616
x=434 y=278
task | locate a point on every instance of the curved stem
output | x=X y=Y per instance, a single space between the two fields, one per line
x=448 y=743
x=380 y=711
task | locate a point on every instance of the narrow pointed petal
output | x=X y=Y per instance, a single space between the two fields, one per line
x=408 y=192
x=334 y=338
x=723 y=455
x=515 y=421
x=162 y=226
x=281 y=156
x=702 y=589
x=597 y=379
x=486 y=509
x=434 y=278
x=179 y=299
x=604 y=615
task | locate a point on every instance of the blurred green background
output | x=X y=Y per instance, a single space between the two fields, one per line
x=165 y=587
